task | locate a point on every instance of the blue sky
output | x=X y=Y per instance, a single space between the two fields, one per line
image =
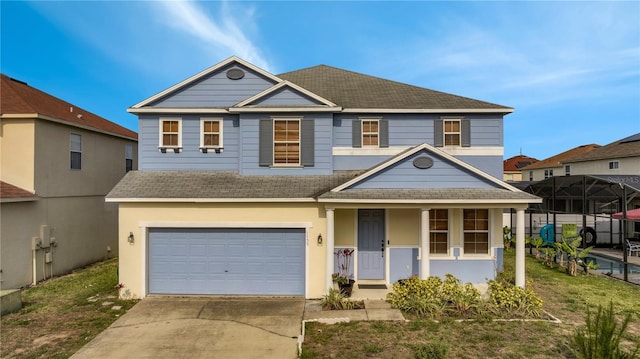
x=571 y=70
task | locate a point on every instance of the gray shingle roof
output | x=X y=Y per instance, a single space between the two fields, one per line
x=223 y=185
x=354 y=90
x=448 y=194
x=626 y=147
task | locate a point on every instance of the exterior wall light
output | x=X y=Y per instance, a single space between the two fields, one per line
x=131 y=239
x=319 y=239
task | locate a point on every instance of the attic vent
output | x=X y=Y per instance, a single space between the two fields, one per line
x=235 y=74
x=422 y=162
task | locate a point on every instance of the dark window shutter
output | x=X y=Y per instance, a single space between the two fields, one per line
x=356 y=133
x=383 y=133
x=465 y=129
x=307 y=143
x=438 y=133
x=266 y=143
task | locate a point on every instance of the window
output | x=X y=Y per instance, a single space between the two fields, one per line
x=170 y=133
x=210 y=133
x=452 y=132
x=567 y=170
x=370 y=133
x=548 y=174
x=75 y=146
x=128 y=157
x=476 y=231
x=530 y=175
x=439 y=231
x=614 y=165
x=286 y=142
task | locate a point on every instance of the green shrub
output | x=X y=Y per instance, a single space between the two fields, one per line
x=505 y=298
x=600 y=338
x=462 y=299
x=334 y=300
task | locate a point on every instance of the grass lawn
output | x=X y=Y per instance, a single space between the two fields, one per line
x=61 y=315
x=564 y=297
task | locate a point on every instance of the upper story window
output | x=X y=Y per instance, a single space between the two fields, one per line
x=452 y=132
x=614 y=165
x=476 y=231
x=286 y=142
x=567 y=170
x=211 y=133
x=170 y=133
x=530 y=175
x=75 y=147
x=128 y=157
x=370 y=133
x=548 y=174
x=438 y=231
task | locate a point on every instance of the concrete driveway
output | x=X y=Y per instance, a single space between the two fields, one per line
x=202 y=327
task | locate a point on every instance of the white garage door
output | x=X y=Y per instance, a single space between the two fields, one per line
x=253 y=261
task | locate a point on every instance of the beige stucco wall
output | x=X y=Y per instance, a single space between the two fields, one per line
x=17 y=153
x=627 y=166
x=137 y=218
x=84 y=227
x=345 y=227
x=403 y=226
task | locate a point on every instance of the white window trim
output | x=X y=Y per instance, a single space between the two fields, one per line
x=273 y=142
x=71 y=151
x=444 y=131
x=220 y=133
x=448 y=232
x=362 y=133
x=614 y=165
x=161 y=132
x=488 y=231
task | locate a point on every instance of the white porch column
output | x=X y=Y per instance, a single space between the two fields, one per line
x=424 y=243
x=330 y=248
x=520 y=281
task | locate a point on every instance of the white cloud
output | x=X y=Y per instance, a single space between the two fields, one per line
x=223 y=33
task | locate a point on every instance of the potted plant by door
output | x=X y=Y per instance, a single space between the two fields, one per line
x=342 y=277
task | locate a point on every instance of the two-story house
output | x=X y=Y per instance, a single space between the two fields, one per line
x=553 y=166
x=57 y=163
x=249 y=183
x=512 y=167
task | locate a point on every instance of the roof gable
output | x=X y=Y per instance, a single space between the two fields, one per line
x=437 y=170
x=20 y=100
x=358 y=91
x=205 y=83
x=286 y=93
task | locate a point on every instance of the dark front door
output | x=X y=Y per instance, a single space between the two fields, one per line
x=371 y=244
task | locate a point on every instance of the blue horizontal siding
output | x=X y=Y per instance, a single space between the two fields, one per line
x=357 y=162
x=492 y=165
x=443 y=174
x=216 y=90
x=190 y=158
x=286 y=97
x=249 y=132
x=403 y=263
x=473 y=271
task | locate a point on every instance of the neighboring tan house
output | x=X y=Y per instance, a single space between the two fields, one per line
x=553 y=166
x=250 y=183
x=512 y=167
x=58 y=161
x=621 y=157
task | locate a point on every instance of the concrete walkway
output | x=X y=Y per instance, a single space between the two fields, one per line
x=189 y=327
x=373 y=310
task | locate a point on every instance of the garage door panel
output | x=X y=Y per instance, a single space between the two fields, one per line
x=255 y=261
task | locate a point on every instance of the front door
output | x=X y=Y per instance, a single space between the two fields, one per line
x=371 y=244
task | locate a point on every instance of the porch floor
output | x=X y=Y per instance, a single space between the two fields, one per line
x=374 y=294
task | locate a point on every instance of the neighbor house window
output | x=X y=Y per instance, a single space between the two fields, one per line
x=75 y=146
x=548 y=174
x=210 y=133
x=286 y=142
x=530 y=175
x=476 y=231
x=170 y=133
x=614 y=165
x=452 y=132
x=439 y=231
x=567 y=170
x=370 y=133
x=128 y=157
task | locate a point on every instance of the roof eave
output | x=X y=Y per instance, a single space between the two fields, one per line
x=505 y=110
